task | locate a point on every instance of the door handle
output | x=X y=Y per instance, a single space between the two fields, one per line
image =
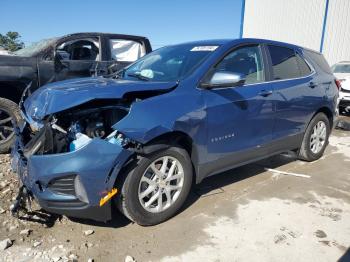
x=265 y=93
x=312 y=84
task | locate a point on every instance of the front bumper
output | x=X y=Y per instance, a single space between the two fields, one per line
x=72 y=183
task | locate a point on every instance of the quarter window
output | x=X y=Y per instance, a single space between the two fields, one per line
x=284 y=63
x=246 y=61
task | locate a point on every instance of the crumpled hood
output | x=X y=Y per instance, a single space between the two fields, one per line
x=59 y=96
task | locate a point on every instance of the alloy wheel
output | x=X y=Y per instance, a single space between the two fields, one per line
x=161 y=184
x=6 y=126
x=318 y=137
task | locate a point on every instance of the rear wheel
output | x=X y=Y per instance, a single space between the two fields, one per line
x=315 y=138
x=9 y=115
x=156 y=186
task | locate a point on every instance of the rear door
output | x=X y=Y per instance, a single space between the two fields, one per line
x=297 y=95
x=239 y=119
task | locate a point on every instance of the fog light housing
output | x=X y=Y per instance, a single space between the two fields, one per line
x=80 y=190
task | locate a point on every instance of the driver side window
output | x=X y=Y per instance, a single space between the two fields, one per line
x=79 y=49
x=246 y=61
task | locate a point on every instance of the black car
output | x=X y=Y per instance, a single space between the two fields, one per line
x=55 y=59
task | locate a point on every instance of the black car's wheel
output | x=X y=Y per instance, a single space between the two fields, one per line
x=156 y=186
x=315 y=138
x=9 y=115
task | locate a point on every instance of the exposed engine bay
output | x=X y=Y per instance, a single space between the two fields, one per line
x=71 y=129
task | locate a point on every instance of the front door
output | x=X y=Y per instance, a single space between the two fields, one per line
x=239 y=119
x=78 y=58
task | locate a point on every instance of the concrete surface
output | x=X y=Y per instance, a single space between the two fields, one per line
x=246 y=214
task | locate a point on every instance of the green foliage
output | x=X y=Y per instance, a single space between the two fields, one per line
x=11 y=41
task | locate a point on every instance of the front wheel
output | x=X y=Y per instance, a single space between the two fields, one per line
x=9 y=115
x=315 y=138
x=156 y=186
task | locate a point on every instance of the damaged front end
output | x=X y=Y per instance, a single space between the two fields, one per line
x=69 y=160
x=70 y=163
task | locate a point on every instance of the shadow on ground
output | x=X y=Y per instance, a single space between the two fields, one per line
x=209 y=186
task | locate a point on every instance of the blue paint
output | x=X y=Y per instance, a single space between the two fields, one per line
x=324 y=25
x=242 y=19
x=227 y=126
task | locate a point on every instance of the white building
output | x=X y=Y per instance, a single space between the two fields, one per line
x=322 y=25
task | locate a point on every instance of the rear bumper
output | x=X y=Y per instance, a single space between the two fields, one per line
x=73 y=183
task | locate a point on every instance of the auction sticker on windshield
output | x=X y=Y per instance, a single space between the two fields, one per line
x=204 y=48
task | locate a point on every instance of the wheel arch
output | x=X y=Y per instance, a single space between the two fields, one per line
x=328 y=113
x=177 y=138
x=12 y=90
x=161 y=142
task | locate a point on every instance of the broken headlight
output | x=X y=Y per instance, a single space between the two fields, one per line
x=120 y=139
x=116 y=138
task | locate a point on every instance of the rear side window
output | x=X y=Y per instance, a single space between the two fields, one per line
x=284 y=63
x=123 y=50
x=304 y=68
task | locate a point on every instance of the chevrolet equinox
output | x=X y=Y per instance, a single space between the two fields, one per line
x=138 y=140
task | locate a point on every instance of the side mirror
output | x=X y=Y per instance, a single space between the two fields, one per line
x=59 y=58
x=224 y=79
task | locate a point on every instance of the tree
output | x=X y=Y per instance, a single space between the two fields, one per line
x=11 y=41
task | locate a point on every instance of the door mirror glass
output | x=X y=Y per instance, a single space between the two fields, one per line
x=224 y=79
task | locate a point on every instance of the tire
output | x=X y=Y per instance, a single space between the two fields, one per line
x=8 y=109
x=130 y=201
x=308 y=150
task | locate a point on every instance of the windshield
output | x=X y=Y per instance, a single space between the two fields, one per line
x=35 y=48
x=341 y=68
x=169 y=63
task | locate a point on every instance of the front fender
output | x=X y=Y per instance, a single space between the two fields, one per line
x=162 y=114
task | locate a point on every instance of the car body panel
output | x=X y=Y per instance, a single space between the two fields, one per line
x=227 y=127
x=96 y=174
x=17 y=72
x=344 y=92
x=66 y=94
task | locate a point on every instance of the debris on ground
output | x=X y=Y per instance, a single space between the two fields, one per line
x=88 y=232
x=37 y=243
x=25 y=232
x=344 y=125
x=6 y=243
x=129 y=259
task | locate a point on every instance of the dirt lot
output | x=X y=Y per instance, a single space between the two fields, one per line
x=246 y=214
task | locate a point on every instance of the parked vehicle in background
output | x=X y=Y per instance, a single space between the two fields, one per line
x=342 y=72
x=4 y=52
x=180 y=114
x=60 y=58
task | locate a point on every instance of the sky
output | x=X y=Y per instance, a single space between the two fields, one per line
x=163 y=22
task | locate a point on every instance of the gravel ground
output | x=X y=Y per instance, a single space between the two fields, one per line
x=247 y=214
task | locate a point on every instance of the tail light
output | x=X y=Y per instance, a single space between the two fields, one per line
x=337 y=83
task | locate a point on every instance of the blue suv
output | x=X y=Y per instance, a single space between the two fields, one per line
x=137 y=140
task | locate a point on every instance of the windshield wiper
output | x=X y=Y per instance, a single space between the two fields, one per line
x=139 y=76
